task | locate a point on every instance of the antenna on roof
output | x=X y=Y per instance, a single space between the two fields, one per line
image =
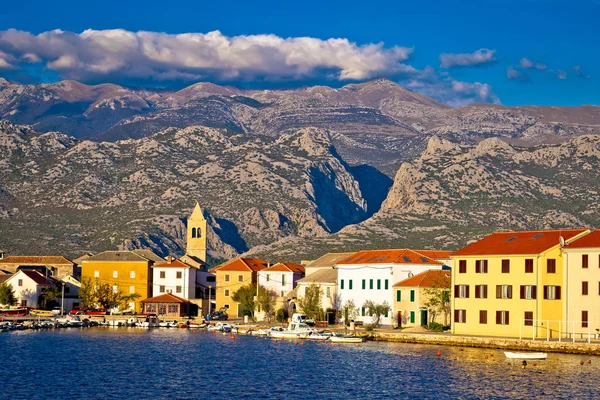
x=561 y=240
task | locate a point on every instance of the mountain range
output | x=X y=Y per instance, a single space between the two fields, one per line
x=285 y=174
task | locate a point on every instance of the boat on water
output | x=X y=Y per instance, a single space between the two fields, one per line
x=220 y=327
x=14 y=312
x=525 y=355
x=297 y=329
x=347 y=339
x=168 y=324
x=148 y=321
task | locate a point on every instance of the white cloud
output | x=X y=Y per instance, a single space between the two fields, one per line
x=161 y=56
x=560 y=74
x=580 y=73
x=528 y=64
x=513 y=73
x=5 y=61
x=481 y=56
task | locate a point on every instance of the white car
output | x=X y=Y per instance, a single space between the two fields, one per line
x=56 y=311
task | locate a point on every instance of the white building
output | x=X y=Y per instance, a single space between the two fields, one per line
x=28 y=286
x=326 y=280
x=176 y=277
x=281 y=278
x=370 y=274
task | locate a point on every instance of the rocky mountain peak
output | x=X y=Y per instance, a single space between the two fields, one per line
x=493 y=147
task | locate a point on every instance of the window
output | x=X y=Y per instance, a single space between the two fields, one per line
x=551 y=266
x=504 y=291
x=502 y=318
x=584 y=288
x=283 y=280
x=528 y=320
x=362 y=311
x=115 y=274
x=370 y=283
x=341 y=284
x=162 y=309
x=378 y=284
x=20 y=283
x=226 y=292
x=226 y=306
x=483 y=316
x=462 y=266
x=460 y=316
x=506 y=266
x=240 y=278
x=412 y=317
x=481 y=292
x=193 y=232
x=177 y=289
x=328 y=291
x=481 y=266
x=349 y=284
x=179 y=274
x=461 y=291
x=226 y=277
x=151 y=308
x=412 y=296
x=364 y=284
x=385 y=286
x=584 y=319
x=162 y=289
x=115 y=289
x=551 y=292
x=529 y=266
x=162 y=274
x=132 y=274
x=131 y=289
x=398 y=295
x=268 y=277
x=96 y=274
x=584 y=261
x=211 y=278
x=528 y=292
x=173 y=308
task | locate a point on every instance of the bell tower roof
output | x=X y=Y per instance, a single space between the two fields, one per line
x=197 y=214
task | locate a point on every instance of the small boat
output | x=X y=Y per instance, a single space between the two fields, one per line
x=317 y=336
x=525 y=356
x=168 y=324
x=14 y=312
x=347 y=339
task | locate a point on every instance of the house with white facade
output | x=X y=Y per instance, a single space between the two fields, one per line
x=370 y=274
x=28 y=286
x=326 y=280
x=281 y=278
x=176 y=277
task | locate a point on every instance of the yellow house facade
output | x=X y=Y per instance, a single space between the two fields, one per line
x=511 y=284
x=126 y=271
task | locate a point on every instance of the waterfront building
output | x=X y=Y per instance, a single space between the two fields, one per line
x=166 y=305
x=231 y=276
x=280 y=278
x=511 y=284
x=71 y=287
x=50 y=266
x=326 y=280
x=196 y=245
x=126 y=271
x=369 y=275
x=412 y=296
x=582 y=283
x=174 y=276
x=28 y=286
x=328 y=261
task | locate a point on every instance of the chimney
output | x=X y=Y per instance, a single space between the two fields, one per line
x=169 y=260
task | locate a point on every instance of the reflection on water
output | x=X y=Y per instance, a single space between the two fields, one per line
x=136 y=363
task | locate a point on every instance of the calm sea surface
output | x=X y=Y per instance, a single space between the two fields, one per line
x=108 y=363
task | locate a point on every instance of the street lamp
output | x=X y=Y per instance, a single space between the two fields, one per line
x=62 y=305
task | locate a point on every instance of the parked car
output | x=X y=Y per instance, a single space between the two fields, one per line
x=75 y=311
x=95 y=312
x=217 y=316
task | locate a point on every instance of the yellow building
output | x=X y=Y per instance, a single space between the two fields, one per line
x=233 y=275
x=126 y=271
x=411 y=299
x=511 y=284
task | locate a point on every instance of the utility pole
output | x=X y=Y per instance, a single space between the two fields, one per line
x=62 y=305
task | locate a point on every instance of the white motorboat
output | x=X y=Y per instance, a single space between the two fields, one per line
x=117 y=322
x=317 y=336
x=220 y=327
x=525 y=356
x=168 y=324
x=347 y=339
x=149 y=322
x=295 y=330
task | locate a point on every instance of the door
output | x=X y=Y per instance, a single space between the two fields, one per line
x=423 y=317
x=399 y=319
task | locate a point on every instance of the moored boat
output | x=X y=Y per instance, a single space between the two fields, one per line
x=347 y=339
x=525 y=355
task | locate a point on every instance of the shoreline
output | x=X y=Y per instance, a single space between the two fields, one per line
x=566 y=347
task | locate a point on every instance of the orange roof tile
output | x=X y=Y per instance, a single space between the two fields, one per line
x=396 y=256
x=517 y=242
x=243 y=264
x=165 y=298
x=35 y=260
x=429 y=278
x=592 y=239
x=437 y=254
x=286 y=267
x=173 y=264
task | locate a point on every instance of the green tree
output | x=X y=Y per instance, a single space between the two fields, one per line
x=437 y=297
x=245 y=296
x=87 y=294
x=128 y=298
x=7 y=295
x=266 y=300
x=377 y=309
x=282 y=315
x=51 y=294
x=349 y=311
x=310 y=304
x=106 y=297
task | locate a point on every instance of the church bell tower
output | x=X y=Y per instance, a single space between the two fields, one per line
x=196 y=234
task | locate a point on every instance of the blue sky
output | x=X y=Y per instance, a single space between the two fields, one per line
x=512 y=52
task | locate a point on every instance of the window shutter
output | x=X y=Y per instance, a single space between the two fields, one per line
x=522 y=292
x=584 y=261
x=456 y=291
x=485 y=266
x=478 y=266
x=464 y=316
x=485 y=293
x=507 y=320
x=456 y=312
x=462 y=266
x=510 y=291
x=534 y=292
x=545 y=292
x=398 y=294
x=477 y=289
x=482 y=316
x=498 y=291
x=467 y=292
x=558 y=293
x=498 y=317
x=584 y=288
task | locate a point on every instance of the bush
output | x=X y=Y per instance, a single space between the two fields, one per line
x=281 y=315
x=435 y=327
x=369 y=328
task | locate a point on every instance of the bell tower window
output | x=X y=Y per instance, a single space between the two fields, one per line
x=193 y=232
x=199 y=233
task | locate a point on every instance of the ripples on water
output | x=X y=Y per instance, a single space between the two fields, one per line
x=109 y=363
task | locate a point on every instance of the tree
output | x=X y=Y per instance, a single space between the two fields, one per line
x=266 y=301
x=106 y=297
x=7 y=294
x=50 y=295
x=311 y=302
x=437 y=297
x=245 y=296
x=377 y=309
x=349 y=311
x=87 y=294
x=128 y=298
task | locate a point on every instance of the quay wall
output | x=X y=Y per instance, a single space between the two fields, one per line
x=578 y=347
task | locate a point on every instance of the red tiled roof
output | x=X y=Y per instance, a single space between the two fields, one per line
x=592 y=239
x=429 y=278
x=286 y=267
x=396 y=256
x=517 y=242
x=38 y=278
x=243 y=264
x=35 y=260
x=172 y=264
x=165 y=298
x=437 y=254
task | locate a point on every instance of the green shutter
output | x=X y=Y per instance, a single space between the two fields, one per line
x=412 y=316
x=370 y=283
x=349 y=284
x=398 y=295
x=363 y=311
x=364 y=284
x=342 y=284
x=378 y=284
x=412 y=295
x=386 y=284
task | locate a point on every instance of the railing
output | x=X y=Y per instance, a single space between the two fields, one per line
x=569 y=329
